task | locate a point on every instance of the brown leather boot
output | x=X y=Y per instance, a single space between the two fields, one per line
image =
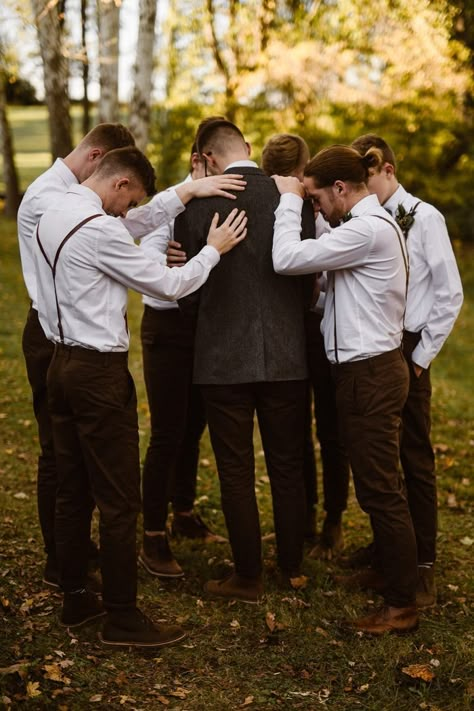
x=157 y=558
x=388 y=619
x=236 y=587
x=426 y=592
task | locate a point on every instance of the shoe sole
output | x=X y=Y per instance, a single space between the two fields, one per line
x=83 y=622
x=390 y=631
x=168 y=643
x=159 y=575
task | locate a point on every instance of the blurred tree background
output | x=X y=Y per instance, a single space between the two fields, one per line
x=328 y=70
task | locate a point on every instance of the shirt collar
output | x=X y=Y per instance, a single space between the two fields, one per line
x=242 y=164
x=86 y=194
x=64 y=172
x=396 y=199
x=365 y=206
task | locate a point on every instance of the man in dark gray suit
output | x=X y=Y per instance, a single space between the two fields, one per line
x=249 y=358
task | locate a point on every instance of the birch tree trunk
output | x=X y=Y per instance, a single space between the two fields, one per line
x=109 y=25
x=12 y=190
x=140 y=106
x=86 y=119
x=49 y=22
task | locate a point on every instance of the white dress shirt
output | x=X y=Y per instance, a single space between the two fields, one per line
x=365 y=260
x=41 y=195
x=155 y=245
x=95 y=268
x=46 y=191
x=435 y=293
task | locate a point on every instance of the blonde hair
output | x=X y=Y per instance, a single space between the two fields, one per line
x=284 y=153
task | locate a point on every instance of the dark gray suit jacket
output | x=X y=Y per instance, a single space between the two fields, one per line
x=249 y=320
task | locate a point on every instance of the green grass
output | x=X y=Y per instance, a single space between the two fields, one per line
x=230 y=658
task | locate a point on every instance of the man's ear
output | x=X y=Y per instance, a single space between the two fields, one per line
x=339 y=187
x=96 y=154
x=389 y=169
x=249 y=147
x=122 y=183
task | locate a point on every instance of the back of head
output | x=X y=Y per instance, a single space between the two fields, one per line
x=284 y=154
x=128 y=162
x=371 y=140
x=344 y=163
x=108 y=136
x=218 y=135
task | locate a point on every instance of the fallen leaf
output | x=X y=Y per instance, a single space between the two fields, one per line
x=248 y=700
x=20 y=495
x=96 y=698
x=235 y=624
x=299 y=582
x=419 y=671
x=20 y=669
x=451 y=501
x=466 y=541
x=163 y=700
x=32 y=689
x=180 y=693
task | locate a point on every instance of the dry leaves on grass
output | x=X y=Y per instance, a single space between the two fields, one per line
x=419 y=671
x=272 y=624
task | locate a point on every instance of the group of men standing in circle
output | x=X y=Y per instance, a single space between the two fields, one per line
x=267 y=291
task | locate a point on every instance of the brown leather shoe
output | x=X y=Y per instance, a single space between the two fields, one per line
x=426 y=592
x=368 y=579
x=388 y=619
x=236 y=587
x=331 y=542
x=157 y=558
x=360 y=558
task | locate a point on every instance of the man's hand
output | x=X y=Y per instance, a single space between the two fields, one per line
x=417 y=369
x=232 y=231
x=214 y=185
x=289 y=184
x=175 y=257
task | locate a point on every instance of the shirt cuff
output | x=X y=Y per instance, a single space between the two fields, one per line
x=211 y=254
x=291 y=201
x=419 y=357
x=170 y=202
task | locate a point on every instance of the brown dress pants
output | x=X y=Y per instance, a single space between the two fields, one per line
x=417 y=457
x=280 y=409
x=93 y=410
x=371 y=394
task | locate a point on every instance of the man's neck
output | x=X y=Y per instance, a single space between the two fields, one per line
x=394 y=189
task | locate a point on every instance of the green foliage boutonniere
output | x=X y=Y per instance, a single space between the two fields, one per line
x=404 y=219
x=347 y=217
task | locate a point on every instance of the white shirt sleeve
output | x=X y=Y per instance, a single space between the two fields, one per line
x=344 y=247
x=446 y=289
x=155 y=244
x=122 y=260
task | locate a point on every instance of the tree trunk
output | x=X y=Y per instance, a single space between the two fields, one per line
x=12 y=191
x=86 y=119
x=56 y=75
x=109 y=17
x=143 y=74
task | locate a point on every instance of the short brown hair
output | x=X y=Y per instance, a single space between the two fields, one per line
x=283 y=153
x=342 y=163
x=109 y=136
x=371 y=140
x=214 y=133
x=129 y=161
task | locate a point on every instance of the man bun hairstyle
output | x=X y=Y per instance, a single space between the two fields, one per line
x=108 y=136
x=344 y=163
x=130 y=162
x=284 y=153
x=214 y=132
x=371 y=140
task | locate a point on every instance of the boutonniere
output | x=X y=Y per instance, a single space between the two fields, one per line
x=346 y=217
x=404 y=219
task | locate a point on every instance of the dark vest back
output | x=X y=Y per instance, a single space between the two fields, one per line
x=250 y=320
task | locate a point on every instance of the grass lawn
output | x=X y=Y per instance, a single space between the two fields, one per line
x=231 y=658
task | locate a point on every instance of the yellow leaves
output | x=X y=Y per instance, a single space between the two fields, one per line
x=96 y=699
x=419 y=671
x=55 y=673
x=180 y=693
x=272 y=624
x=299 y=582
x=235 y=624
x=32 y=689
x=248 y=700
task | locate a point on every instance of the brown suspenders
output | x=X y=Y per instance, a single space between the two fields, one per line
x=55 y=262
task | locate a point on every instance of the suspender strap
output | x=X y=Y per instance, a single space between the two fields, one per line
x=55 y=262
x=404 y=255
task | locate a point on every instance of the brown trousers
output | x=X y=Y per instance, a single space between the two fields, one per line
x=417 y=457
x=280 y=409
x=371 y=394
x=177 y=415
x=93 y=410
